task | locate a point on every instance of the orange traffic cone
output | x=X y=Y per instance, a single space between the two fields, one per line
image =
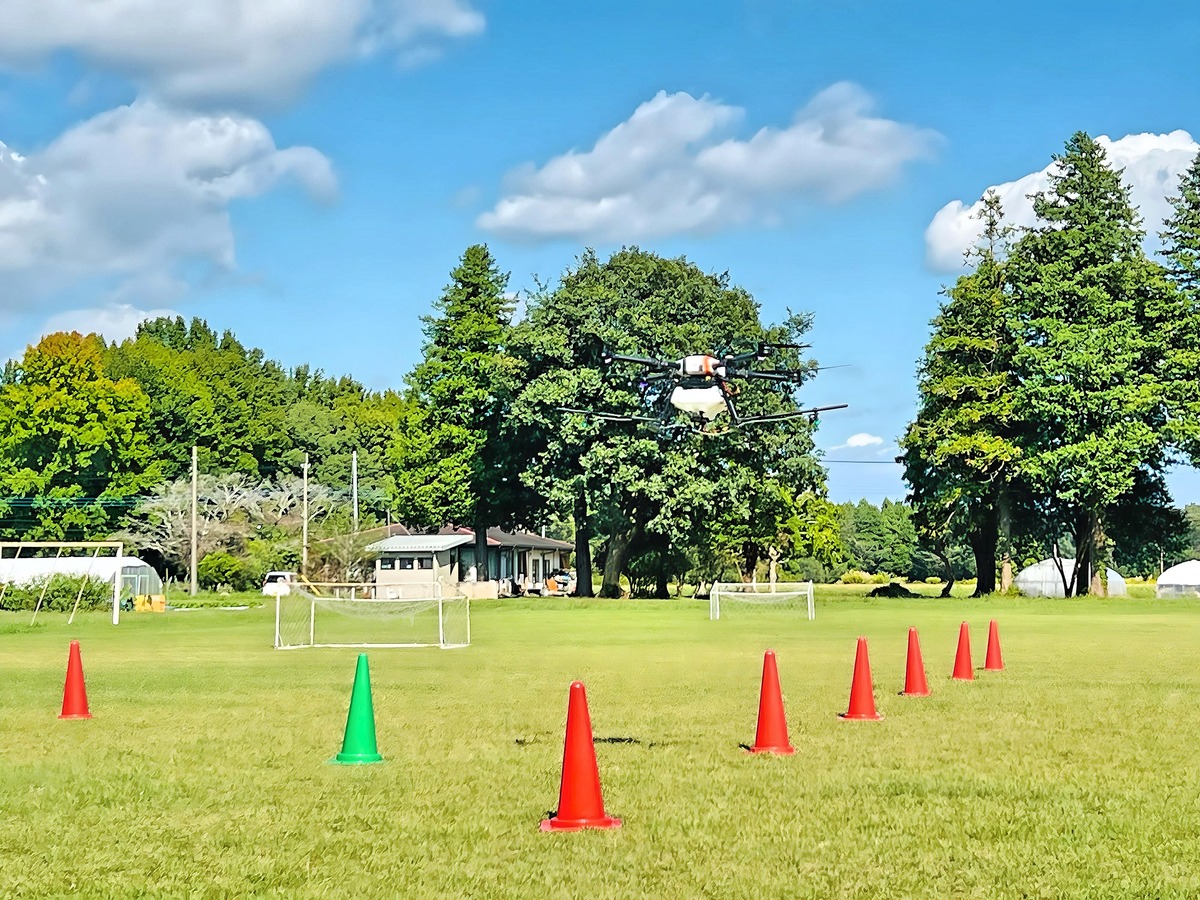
x=75 y=705
x=963 y=670
x=772 y=736
x=579 y=802
x=862 y=692
x=915 y=684
x=993 y=662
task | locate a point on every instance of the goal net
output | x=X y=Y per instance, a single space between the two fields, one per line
x=787 y=595
x=367 y=615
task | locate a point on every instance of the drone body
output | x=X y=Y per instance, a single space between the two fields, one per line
x=700 y=387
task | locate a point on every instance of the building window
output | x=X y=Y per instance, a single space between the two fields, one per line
x=424 y=562
x=386 y=562
x=405 y=562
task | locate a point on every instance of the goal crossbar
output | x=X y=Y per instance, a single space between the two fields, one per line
x=777 y=594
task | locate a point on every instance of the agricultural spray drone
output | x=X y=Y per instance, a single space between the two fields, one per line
x=703 y=387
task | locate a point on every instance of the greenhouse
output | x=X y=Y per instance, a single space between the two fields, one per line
x=1043 y=579
x=138 y=578
x=1182 y=580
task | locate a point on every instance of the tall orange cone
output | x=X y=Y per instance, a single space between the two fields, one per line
x=75 y=705
x=963 y=670
x=862 y=692
x=579 y=802
x=772 y=736
x=994 y=662
x=915 y=684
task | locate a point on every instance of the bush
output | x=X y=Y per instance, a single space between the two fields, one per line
x=855 y=576
x=60 y=593
x=221 y=568
x=881 y=578
x=933 y=579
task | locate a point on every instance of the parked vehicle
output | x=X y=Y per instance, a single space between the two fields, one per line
x=278 y=583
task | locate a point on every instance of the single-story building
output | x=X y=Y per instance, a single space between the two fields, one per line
x=518 y=562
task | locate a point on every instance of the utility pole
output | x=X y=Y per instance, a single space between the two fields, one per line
x=354 y=485
x=192 y=567
x=304 y=545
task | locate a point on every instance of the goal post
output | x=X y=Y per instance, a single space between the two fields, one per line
x=428 y=614
x=24 y=560
x=787 y=594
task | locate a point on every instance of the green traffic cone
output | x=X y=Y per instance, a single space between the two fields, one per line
x=358 y=746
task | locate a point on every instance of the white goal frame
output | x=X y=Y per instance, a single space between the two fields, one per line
x=319 y=593
x=96 y=546
x=762 y=594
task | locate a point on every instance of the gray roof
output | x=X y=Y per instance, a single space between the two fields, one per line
x=419 y=543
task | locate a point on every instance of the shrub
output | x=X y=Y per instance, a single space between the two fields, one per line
x=221 y=568
x=855 y=576
x=58 y=593
x=881 y=578
x=933 y=579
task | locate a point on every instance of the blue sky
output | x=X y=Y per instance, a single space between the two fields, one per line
x=307 y=174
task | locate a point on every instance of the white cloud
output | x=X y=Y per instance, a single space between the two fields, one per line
x=115 y=323
x=133 y=196
x=219 y=50
x=1153 y=164
x=674 y=167
x=861 y=439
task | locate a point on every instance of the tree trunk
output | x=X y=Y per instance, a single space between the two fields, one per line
x=944 y=555
x=1004 y=528
x=481 y=551
x=583 y=548
x=1099 y=542
x=983 y=547
x=750 y=559
x=619 y=543
x=662 y=579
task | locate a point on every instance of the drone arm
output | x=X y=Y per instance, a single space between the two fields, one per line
x=794 y=377
x=646 y=361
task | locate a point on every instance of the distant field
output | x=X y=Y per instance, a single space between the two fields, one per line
x=1071 y=774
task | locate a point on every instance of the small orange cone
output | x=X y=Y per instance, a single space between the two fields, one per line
x=915 y=684
x=579 y=802
x=963 y=670
x=862 y=692
x=771 y=736
x=75 y=705
x=994 y=662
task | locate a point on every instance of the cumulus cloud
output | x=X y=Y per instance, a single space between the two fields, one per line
x=115 y=323
x=133 y=196
x=859 y=440
x=221 y=50
x=676 y=166
x=1153 y=164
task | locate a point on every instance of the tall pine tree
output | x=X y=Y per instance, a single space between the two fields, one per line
x=959 y=454
x=452 y=457
x=1092 y=315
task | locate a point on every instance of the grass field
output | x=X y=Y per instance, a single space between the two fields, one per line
x=1071 y=774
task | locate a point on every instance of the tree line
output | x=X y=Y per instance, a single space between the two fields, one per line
x=1060 y=382
x=96 y=438
x=1057 y=386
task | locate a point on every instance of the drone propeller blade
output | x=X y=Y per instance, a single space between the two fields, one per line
x=797 y=414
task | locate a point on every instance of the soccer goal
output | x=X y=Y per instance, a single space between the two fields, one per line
x=24 y=562
x=427 y=614
x=786 y=595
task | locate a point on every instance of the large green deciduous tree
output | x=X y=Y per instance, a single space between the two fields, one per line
x=455 y=459
x=626 y=484
x=74 y=445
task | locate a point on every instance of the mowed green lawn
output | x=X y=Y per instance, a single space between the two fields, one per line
x=1074 y=773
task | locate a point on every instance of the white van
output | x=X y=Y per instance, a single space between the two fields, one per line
x=277 y=583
